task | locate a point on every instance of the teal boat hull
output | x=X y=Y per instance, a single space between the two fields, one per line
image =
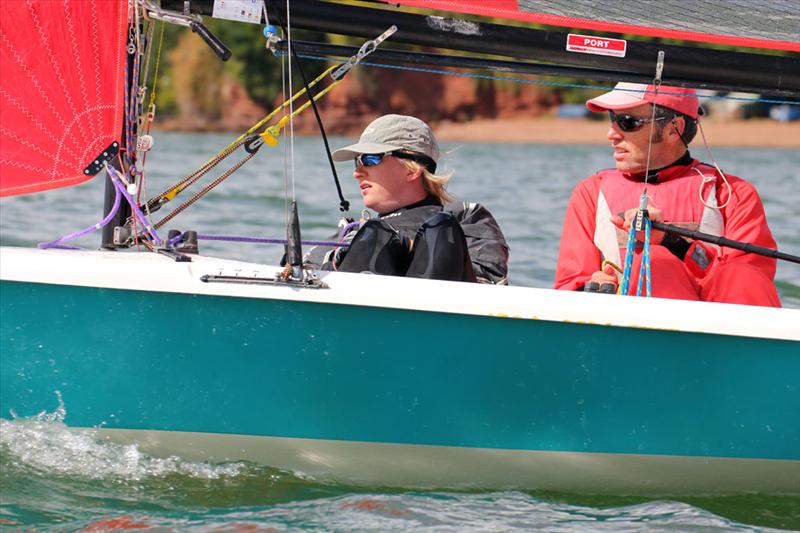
x=216 y=366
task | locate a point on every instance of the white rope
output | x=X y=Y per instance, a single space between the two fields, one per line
x=284 y=97
x=706 y=179
x=291 y=105
x=285 y=145
x=656 y=86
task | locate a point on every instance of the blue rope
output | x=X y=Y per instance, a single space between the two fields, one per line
x=626 y=270
x=644 y=268
x=535 y=82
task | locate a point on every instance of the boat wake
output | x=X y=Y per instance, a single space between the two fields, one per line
x=44 y=444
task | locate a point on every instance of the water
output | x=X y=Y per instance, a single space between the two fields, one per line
x=54 y=479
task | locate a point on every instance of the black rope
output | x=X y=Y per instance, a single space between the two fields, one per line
x=728 y=243
x=344 y=205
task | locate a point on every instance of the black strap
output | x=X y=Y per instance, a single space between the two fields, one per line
x=344 y=205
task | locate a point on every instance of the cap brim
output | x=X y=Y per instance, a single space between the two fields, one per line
x=350 y=152
x=614 y=100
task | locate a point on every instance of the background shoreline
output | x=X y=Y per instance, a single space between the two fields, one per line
x=752 y=133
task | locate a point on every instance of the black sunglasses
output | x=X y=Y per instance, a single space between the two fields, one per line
x=371 y=160
x=629 y=123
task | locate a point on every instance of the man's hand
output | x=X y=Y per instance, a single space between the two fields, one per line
x=607 y=275
x=625 y=220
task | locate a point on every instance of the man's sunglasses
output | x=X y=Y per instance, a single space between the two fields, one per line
x=629 y=123
x=371 y=160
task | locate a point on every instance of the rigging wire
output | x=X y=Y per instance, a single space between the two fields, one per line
x=531 y=81
x=641 y=222
x=270 y=136
x=291 y=104
x=284 y=90
x=202 y=192
x=344 y=205
x=131 y=98
x=148 y=116
x=270 y=28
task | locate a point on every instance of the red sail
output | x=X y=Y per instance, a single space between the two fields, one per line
x=61 y=89
x=757 y=24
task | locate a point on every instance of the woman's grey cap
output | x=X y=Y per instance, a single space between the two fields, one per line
x=389 y=133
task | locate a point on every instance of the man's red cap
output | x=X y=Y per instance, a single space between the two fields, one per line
x=628 y=95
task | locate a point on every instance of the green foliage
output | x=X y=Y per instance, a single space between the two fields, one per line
x=251 y=63
x=164 y=88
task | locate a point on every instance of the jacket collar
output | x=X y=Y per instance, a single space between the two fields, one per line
x=664 y=173
x=428 y=200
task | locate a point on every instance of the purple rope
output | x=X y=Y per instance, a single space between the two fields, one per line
x=347 y=228
x=256 y=240
x=265 y=241
x=58 y=243
x=51 y=246
x=134 y=207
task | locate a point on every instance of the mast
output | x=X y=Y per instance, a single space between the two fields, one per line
x=110 y=192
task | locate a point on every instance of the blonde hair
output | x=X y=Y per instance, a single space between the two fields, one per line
x=435 y=184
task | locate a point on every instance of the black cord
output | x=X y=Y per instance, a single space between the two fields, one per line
x=344 y=205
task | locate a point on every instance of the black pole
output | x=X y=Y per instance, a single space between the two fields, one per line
x=728 y=243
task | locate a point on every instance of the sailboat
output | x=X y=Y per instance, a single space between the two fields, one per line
x=219 y=360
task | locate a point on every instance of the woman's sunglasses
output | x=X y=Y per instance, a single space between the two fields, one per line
x=371 y=160
x=629 y=123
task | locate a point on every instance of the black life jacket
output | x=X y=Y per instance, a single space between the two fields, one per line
x=439 y=250
x=390 y=235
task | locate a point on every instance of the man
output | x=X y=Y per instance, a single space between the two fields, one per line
x=419 y=231
x=681 y=191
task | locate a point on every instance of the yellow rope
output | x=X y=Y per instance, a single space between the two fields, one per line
x=151 y=107
x=281 y=107
x=270 y=134
x=612 y=264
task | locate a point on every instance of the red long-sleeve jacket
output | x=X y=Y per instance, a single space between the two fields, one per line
x=693 y=196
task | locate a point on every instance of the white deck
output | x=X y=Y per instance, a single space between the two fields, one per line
x=154 y=272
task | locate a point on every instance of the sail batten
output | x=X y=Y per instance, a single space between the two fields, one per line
x=62 y=89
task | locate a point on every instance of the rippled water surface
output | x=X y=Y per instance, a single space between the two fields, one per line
x=52 y=478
